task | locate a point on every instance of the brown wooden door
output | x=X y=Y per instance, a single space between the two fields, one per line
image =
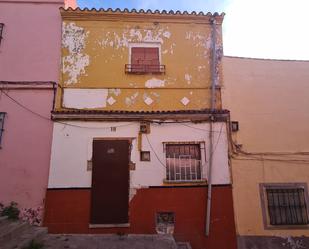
x=110 y=182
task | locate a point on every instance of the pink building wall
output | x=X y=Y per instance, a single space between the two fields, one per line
x=25 y=147
x=30 y=48
x=29 y=52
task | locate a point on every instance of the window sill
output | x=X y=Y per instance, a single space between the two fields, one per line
x=108 y=225
x=287 y=227
x=184 y=183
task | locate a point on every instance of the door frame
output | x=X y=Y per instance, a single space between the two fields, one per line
x=130 y=140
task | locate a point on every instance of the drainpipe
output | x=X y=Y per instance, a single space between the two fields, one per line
x=212 y=104
x=54 y=92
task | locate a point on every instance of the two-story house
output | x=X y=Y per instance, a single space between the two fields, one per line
x=140 y=139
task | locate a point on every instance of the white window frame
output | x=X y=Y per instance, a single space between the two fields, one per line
x=202 y=145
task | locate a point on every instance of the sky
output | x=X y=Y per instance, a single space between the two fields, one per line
x=269 y=29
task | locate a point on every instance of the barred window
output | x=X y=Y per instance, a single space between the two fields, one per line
x=1 y=30
x=183 y=162
x=286 y=206
x=2 y=115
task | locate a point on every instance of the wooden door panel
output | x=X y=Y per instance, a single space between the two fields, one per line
x=110 y=182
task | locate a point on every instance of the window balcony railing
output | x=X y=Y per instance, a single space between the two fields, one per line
x=144 y=69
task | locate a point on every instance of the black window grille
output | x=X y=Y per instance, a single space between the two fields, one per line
x=1 y=30
x=2 y=115
x=287 y=206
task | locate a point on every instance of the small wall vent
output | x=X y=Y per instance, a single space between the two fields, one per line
x=234 y=126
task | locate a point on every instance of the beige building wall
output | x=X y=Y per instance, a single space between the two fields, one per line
x=270 y=100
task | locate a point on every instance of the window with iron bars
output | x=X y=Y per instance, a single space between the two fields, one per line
x=2 y=115
x=287 y=206
x=1 y=30
x=183 y=162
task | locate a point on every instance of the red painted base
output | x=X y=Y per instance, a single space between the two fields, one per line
x=68 y=211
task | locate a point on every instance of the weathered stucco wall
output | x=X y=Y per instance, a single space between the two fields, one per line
x=78 y=142
x=96 y=49
x=269 y=99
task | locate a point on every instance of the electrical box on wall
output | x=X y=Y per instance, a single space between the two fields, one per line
x=144 y=128
x=235 y=126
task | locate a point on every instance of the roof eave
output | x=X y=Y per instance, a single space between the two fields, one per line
x=134 y=15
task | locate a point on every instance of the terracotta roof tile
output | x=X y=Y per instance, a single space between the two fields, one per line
x=141 y=11
x=106 y=112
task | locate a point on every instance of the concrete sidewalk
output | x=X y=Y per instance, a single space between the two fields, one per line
x=53 y=241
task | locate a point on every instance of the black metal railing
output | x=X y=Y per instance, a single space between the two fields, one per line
x=143 y=69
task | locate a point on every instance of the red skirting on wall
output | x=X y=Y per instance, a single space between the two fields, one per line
x=68 y=211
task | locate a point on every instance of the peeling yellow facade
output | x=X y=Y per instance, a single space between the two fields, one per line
x=96 y=47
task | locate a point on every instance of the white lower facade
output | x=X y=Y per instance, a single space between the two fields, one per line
x=73 y=140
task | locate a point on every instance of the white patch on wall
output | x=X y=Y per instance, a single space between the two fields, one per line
x=137 y=34
x=115 y=91
x=152 y=83
x=131 y=35
x=167 y=34
x=132 y=192
x=148 y=100
x=200 y=68
x=84 y=98
x=200 y=40
x=185 y=101
x=131 y=100
x=155 y=94
x=133 y=85
x=111 y=100
x=188 y=78
x=219 y=54
x=74 y=40
x=172 y=48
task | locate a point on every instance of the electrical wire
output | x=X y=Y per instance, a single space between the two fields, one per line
x=239 y=154
x=88 y=127
x=201 y=129
x=24 y=107
x=154 y=152
x=206 y=161
x=64 y=123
